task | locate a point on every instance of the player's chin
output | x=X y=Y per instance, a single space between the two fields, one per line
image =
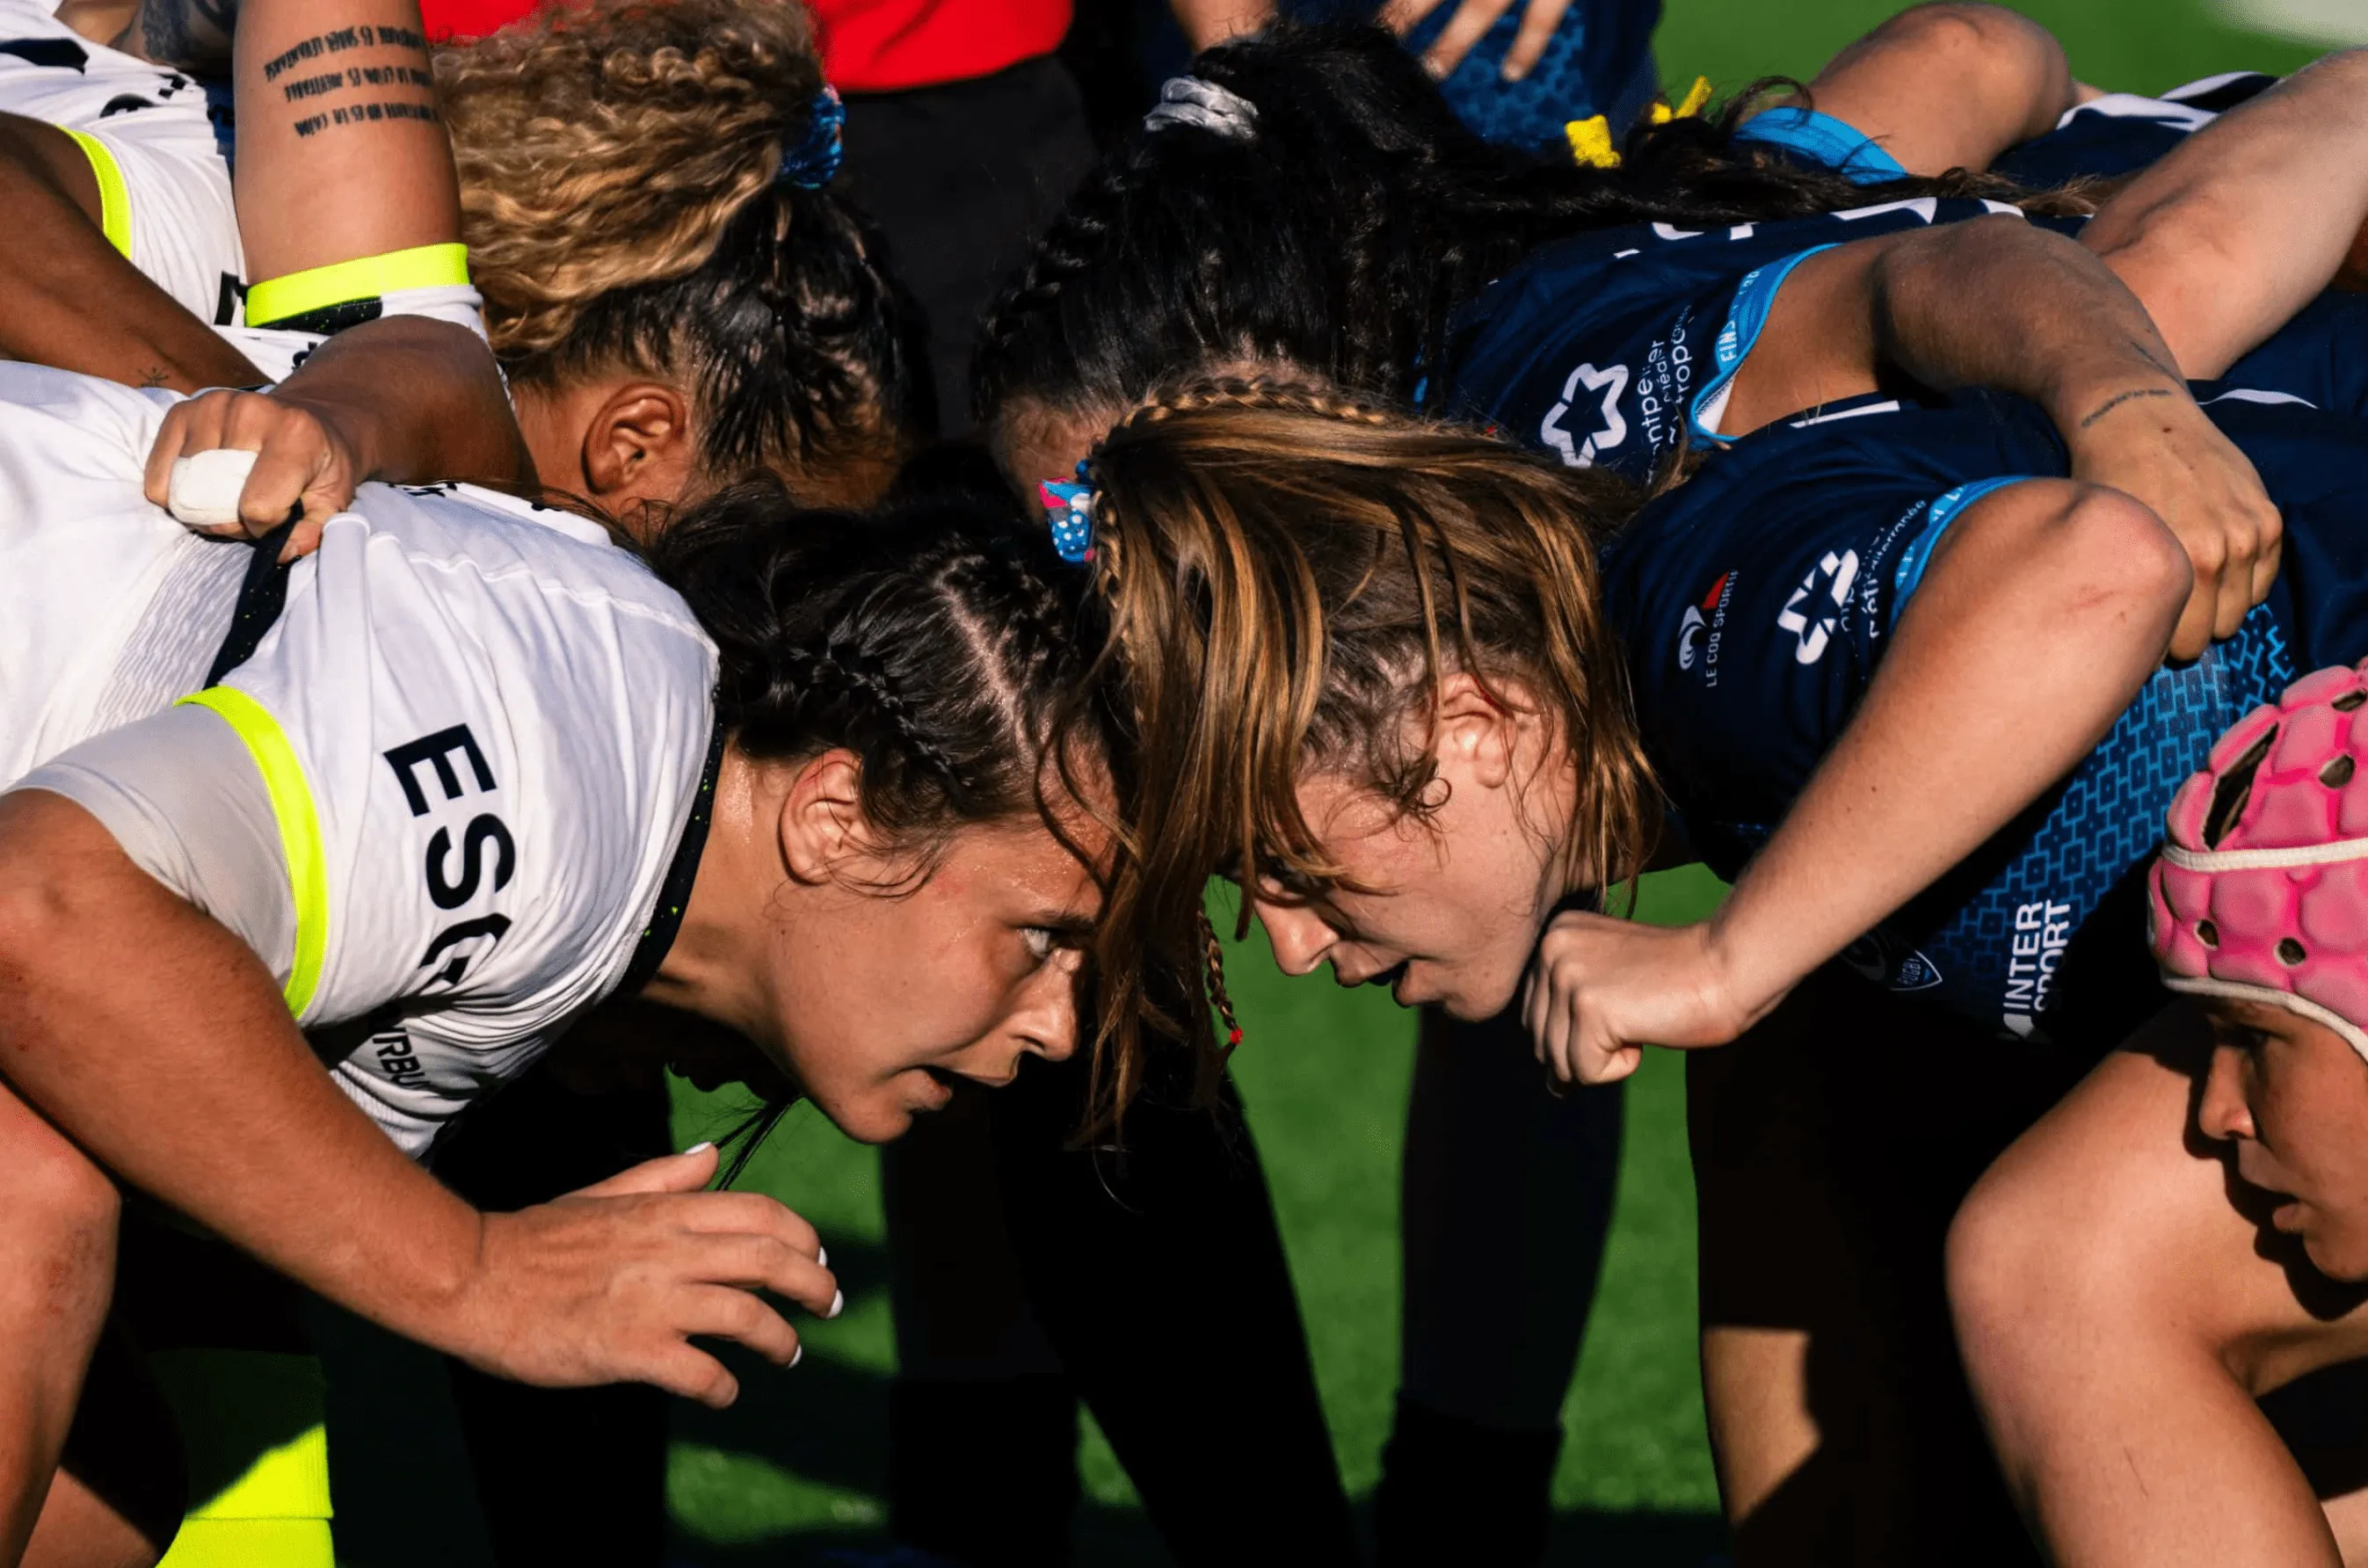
x=2335 y=1244
x=883 y=1111
x=1458 y=995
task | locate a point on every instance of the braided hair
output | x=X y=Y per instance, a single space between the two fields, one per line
x=1290 y=576
x=936 y=641
x=942 y=643
x=621 y=194
x=1336 y=240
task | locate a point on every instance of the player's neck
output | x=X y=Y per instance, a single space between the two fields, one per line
x=715 y=966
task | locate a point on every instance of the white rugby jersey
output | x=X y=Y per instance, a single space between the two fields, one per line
x=157 y=139
x=468 y=745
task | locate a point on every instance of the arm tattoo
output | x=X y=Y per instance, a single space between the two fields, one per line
x=2113 y=403
x=311 y=72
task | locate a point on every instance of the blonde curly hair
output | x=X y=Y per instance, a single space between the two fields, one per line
x=618 y=163
x=605 y=145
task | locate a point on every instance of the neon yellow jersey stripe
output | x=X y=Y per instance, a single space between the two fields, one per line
x=114 y=199
x=299 y=830
x=422 y=266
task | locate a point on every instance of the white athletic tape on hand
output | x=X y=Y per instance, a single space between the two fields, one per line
x=203 y=492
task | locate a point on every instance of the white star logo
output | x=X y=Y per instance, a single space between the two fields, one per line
x=1577 y=453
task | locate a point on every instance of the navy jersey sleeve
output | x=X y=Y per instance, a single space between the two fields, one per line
x=2319 y=357
x=2123 y=132
x=1758 y=601
x=1821 y=143
x=1601 y=347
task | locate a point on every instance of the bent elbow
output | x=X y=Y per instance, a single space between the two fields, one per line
x=36 y=907
x=1999 y=53
x=2119 y=558
x=42 y=913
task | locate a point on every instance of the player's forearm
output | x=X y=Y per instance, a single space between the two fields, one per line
x=419 y=400
x=1996 y=302
x=71 y=300
x=2242 y=224
x=2045 y=609
x=157 y=1039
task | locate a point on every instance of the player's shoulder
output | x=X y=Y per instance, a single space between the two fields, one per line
x=502 y=546
x=60 y=420
x=42 y=389
x=1852 y=465
x=1641 y=255
x=51 y=72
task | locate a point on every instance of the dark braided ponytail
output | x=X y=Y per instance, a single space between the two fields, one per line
x=1336 y=240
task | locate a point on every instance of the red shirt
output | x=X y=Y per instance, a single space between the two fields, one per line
x=470 y=18
x=868 y=46
x=877 y=45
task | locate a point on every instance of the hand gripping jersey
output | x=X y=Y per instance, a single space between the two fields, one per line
x=445 y=786
x=1757 y=600
x=158 y=141
x=1613 y=349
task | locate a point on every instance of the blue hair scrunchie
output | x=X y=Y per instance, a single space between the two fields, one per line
x=811 y=164
x=1069 y=514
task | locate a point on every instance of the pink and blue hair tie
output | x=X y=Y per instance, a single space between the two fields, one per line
x=1069 y=510
x=812 y=163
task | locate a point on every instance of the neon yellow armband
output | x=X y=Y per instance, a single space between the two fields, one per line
x=114 y=199
x=321 y=287
x=299 y=830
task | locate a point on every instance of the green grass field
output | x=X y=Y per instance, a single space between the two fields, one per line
x=797 y=1466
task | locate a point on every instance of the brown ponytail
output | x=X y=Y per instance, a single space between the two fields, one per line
x=1290 y=576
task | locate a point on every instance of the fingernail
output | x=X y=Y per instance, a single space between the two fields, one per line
x=701 y=1147
x=822 y=1255
x=1512 y=72
x=796 y=1356
x=1436 y=66
x=838 y=1303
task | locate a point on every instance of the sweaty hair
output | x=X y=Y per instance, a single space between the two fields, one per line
x=1290 y=578
x=937 y=641
x=1335 y=239
x=618 y=195
x=946 y=647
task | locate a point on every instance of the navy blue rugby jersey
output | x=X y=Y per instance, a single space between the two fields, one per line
x=2116 y=134
x=1601 y=346
x=1757 y=599
x=2123 y=132
x=1611 y=347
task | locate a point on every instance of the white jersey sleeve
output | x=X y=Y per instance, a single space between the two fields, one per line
x=482 y=743
x=159 y=143
x=108 y=609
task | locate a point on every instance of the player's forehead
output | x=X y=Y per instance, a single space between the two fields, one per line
x=1030 y=864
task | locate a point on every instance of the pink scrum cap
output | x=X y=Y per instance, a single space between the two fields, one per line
x=2261 y=889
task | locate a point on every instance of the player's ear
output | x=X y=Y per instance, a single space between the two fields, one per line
x=1479 y=736
x=822 y=817
x=638 y=446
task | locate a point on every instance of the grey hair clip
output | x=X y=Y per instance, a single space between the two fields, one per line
x=1187 y=100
